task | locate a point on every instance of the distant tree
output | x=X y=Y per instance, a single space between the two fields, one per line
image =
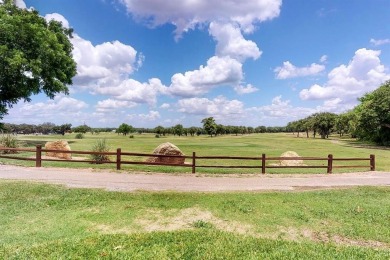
x=159 y=130
x=220 y=130
x=82 y=129
x=192 y=130
x=35 y=56
x=261 y=129
x=342 y=123
x=307 y=124
x=62 y=129
x=235 y=130
x=125 y=129
x=47 y=127
x=373 y=114
x=209 y=126
x=324 y=122
x=178 y=130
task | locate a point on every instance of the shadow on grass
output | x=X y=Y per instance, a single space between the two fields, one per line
x=362 y=144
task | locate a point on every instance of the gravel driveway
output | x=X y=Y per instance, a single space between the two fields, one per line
x=117 y=181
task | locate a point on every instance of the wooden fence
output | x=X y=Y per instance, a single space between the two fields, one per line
x=262 y=166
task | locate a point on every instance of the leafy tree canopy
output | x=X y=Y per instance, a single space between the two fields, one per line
x=125 y=129
x=209 y=125
x=35 y=56
x=373 y=116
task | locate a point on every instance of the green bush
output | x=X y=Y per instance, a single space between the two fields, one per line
x=100 y=146
x=131 y=136
x=157 y=136
x=79 y=136
x=8 y=141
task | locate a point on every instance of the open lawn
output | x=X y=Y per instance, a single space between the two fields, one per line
x=51 y=222
x=247 y=145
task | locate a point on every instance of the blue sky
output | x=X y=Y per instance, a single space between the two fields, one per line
x=259 y=62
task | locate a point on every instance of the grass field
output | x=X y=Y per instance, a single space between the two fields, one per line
x=40 y=221
x=247 y=145
x=51 y=222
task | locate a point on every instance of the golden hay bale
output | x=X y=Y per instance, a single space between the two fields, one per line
x=167 y=149
x=58 y=145
x=291 y=162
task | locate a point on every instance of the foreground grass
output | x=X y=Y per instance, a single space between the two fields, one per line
x=248 y=145
x=46 y=221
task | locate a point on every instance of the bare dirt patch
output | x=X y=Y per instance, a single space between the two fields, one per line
x=174 y=220
x=294 y=234
x=158 y=220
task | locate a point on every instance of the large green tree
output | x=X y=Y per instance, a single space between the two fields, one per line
x=209 y=126
x=125 y=129
x=35 y=56
x=323 y=123
x=373 y=116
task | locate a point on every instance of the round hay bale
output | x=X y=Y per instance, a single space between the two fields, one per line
x=58 y=145
x=167 y=149
x=291 y=162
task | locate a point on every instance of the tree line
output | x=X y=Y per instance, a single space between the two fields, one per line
x=368 y=121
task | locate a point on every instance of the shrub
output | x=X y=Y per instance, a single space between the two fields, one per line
x=8 y=141
x=100 y=146
x=157 y=136
x=79 y=136
x=131 y=136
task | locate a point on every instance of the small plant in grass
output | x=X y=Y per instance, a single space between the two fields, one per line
x=202 y=224
x=100 y=146
x=79 y=136
x=8 y=141
x=157 y=136
x=131 y=136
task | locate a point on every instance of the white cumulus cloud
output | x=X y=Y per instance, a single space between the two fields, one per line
x=110 y=105
x=151 y=116
x=58 y=110
x=230 y=42
x=134 y=91
x=279 y=112
x=59 y=18
x=379 y=42
x=20 y=4
x=219 y=107
x=219 y=71
x=245 y=89
x=103 y=63
x=165 y=106
x=187 y=14
x=364 y=73
x=288 y=70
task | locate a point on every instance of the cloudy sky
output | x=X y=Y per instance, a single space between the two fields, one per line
x=254 y=62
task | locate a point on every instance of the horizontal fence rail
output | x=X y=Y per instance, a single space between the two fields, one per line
x=9 y=153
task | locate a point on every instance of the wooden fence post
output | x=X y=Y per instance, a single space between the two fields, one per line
x=372 y=162
x=263 y=160
x=118 y=158
x=193 y=162
x=330 y=163
x=38 y=156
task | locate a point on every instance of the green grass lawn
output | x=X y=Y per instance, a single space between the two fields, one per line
x=40 y=221
x=273 y=145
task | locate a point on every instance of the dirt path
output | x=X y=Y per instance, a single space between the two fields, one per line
x=186 y=182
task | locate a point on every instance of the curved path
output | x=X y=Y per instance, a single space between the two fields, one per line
x=117 y=181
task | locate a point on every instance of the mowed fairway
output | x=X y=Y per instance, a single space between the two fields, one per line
x=242 y=145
